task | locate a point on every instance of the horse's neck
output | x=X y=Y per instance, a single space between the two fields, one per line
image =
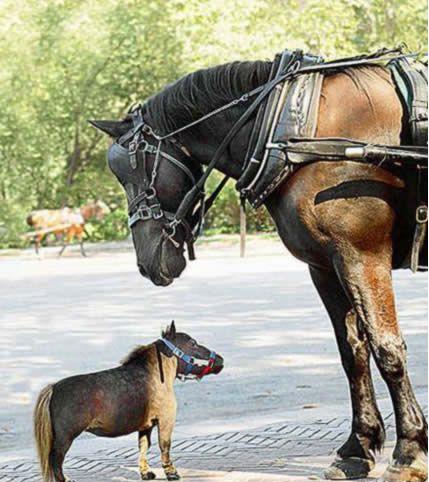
x=202 y=142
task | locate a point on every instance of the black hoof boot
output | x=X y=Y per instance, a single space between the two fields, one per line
x=148 y=476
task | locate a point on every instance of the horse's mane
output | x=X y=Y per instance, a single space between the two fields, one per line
x=202 y=91
x=138 y=353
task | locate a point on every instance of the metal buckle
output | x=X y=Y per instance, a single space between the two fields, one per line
x=422 y=214
x=150 y=192
x=178 y=352
x=132 y=150
x=145 y=212
x=157 y=213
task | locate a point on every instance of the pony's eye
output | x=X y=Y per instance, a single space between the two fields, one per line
x=193 y=343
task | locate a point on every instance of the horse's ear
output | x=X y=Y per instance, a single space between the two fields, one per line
x=111 y=128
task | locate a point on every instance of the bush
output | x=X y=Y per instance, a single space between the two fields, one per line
x=13 y=226
x=113 y=227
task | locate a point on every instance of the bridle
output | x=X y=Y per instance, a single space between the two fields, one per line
x=191 y=362
x=145 y=205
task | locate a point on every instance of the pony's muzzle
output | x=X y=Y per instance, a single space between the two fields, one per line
x=218 y=365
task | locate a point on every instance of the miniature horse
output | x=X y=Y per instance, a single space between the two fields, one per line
x=347 y=220
x=134 y=397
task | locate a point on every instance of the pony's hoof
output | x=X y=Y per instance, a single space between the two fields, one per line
x=148 y=476
x=416 y=472
x=348 y=469
x=173 y=476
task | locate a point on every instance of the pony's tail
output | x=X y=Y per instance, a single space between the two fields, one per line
x=43 y=432
x=30 y=220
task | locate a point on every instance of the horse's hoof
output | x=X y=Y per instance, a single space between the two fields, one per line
x=174 y=476
x=348 y=469
x=148 y=476
x=416 y=472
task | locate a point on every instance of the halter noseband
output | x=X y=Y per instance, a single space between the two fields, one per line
x=191 y=362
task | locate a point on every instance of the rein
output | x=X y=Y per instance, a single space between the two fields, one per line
x=147 y=203
x=190 y=362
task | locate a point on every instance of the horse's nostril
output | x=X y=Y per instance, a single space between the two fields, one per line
x=142 y=270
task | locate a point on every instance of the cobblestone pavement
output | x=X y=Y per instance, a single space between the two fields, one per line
x=289 y=448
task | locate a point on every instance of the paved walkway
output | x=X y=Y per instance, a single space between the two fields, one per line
x=279 y=452
x=277 y=412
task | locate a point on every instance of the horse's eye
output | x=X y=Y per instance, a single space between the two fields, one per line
x=193 y=343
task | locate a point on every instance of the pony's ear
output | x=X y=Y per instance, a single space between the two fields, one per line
x=112 y=128
x=172 y=328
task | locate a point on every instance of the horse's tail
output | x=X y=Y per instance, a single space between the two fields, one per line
x=43 y=432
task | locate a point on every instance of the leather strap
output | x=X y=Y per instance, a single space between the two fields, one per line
x=160 y=366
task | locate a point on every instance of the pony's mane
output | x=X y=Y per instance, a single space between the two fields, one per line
x=138 y=353
x=202 y=91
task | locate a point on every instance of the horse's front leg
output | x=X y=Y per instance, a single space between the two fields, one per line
x=165 y=430
x=367 y=279
x=356 y=456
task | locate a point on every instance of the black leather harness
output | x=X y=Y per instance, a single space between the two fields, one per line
x=273 y=157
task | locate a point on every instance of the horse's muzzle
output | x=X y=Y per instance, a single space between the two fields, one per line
x=158 y=280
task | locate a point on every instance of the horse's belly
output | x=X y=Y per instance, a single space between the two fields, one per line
x=327 y=205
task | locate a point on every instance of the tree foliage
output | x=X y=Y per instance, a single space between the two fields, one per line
x=65 y=61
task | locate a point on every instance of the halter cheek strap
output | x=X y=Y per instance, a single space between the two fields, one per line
x=191 y=362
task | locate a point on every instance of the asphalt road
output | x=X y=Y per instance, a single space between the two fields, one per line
x=64 y=316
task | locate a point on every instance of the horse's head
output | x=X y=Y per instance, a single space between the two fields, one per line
x=160 y=256
x=194 y=360
x=94 y=210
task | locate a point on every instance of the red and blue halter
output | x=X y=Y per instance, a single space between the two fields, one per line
x=191 y=362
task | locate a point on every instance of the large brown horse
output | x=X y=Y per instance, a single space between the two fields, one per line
x=351 y=236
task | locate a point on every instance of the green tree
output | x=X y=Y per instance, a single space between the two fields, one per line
x=65 y=61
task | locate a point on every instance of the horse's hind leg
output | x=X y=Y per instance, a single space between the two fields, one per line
x=356 y=456
x=144 y=445
x=59 y=450
x=82 y=249
x=367 y=279
x=62 y=250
